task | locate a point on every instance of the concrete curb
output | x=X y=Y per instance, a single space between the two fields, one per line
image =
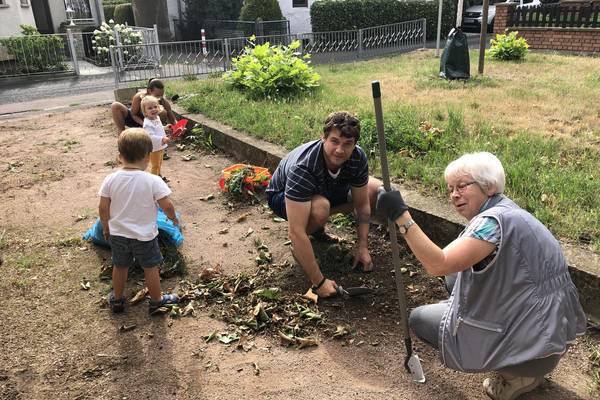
x=439 y=221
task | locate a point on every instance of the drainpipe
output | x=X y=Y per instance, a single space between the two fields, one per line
x=100 y=11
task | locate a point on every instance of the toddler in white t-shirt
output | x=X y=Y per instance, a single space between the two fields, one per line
x=151 y=109
x=128 y=210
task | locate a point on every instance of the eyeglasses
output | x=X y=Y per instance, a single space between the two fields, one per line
x=460 y=188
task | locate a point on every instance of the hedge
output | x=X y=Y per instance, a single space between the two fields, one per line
x=267 y=10
x=114 y=2
x=109 y=12
x=124 y=14
x=338 y=15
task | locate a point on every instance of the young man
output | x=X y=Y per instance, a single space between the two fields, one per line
x=321 y=178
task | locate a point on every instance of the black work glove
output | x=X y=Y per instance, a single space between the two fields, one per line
x=390 y=204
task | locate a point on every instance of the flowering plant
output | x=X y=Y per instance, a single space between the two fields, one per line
x=104 y=37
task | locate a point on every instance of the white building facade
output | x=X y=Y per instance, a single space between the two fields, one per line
x=298 y=13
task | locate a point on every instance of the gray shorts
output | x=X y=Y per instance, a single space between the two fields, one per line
x=124 y=250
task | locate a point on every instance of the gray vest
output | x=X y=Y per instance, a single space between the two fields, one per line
x=522 y=306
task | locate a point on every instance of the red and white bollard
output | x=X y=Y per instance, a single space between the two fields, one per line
x=203 y=34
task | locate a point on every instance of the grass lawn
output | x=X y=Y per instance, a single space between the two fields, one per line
x=540 y=117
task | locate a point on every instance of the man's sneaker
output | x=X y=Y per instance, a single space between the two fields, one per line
x=166 y=156
x=500 y=388
x=116 y=305
x=167 y=299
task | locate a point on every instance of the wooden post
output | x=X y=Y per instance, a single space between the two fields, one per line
x=483 y=35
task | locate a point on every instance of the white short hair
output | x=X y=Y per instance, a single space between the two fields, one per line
x=483 y=167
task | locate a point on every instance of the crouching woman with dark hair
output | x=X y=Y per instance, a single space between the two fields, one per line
x=133 y=117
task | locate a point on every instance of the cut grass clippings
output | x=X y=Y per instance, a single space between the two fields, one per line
x=539 y=117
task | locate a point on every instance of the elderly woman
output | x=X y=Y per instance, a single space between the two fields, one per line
x=513 y=307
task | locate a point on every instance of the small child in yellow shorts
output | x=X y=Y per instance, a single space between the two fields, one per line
x=151 y=109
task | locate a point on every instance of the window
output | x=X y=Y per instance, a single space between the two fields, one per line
x=3 y=4
x=299 y=3
x=24 y=3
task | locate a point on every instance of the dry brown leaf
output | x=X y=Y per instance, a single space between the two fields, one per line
x=139 y=296
x=285 y=339
x=311 y=296
x=209 y=273
x=306 y=342
x=189 y=309
x=243 y=217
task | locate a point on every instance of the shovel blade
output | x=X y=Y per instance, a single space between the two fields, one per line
x=358 y=291
x=416 y=371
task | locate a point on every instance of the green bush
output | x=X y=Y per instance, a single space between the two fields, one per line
x=109 y=12
x=34 y=52
x=338 y=15
x=114 y=2
x=267 y=10
x=124 y=14
x=272 y=71
x=508 y=46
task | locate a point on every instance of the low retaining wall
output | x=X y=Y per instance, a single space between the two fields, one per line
x=586 y=40
x=439 y=221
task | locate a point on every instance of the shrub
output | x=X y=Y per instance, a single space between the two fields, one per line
x=34 y=52
x=124 y=14
x=272 y=71
x=105 y=37
x=267 y=10
x=337 y=15
x=508 y=46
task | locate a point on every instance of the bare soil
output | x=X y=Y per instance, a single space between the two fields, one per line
x=58 y=341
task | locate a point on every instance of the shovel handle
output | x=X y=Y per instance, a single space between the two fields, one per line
x=391 y=224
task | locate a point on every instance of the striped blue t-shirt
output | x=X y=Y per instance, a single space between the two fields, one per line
x=484 y=228
x=302 y=173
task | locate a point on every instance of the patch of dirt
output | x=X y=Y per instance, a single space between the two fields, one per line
x=59 y=342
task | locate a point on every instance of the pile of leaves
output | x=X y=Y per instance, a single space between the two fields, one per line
x=243 y=183
x=250 y=305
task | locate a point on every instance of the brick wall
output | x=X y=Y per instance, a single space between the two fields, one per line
x=570 y=39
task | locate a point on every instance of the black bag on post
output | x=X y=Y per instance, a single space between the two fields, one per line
x=454 y=63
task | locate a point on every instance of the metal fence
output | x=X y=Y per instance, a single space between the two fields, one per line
x=74 y=52
x=190 y=58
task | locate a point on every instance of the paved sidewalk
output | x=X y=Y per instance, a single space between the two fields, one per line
x=57 y=103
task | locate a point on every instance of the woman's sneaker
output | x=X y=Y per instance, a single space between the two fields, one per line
x=500 y=388
x=167 y=299
x=116 y=305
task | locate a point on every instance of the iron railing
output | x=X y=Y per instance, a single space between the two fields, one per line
x=556 y=15
x=73 y=52
x=190 y=58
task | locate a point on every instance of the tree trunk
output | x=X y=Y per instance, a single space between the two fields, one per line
x=150 y=12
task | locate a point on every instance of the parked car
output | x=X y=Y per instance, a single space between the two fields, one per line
x=472 y=15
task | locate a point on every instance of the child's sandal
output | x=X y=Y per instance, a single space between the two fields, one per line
x=116 y=305
x=166 y=299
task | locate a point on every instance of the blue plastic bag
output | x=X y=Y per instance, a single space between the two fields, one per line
x=165 y=227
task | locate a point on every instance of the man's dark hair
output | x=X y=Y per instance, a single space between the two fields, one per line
x=134 y=144
x=346 y=123
x=155 y=83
